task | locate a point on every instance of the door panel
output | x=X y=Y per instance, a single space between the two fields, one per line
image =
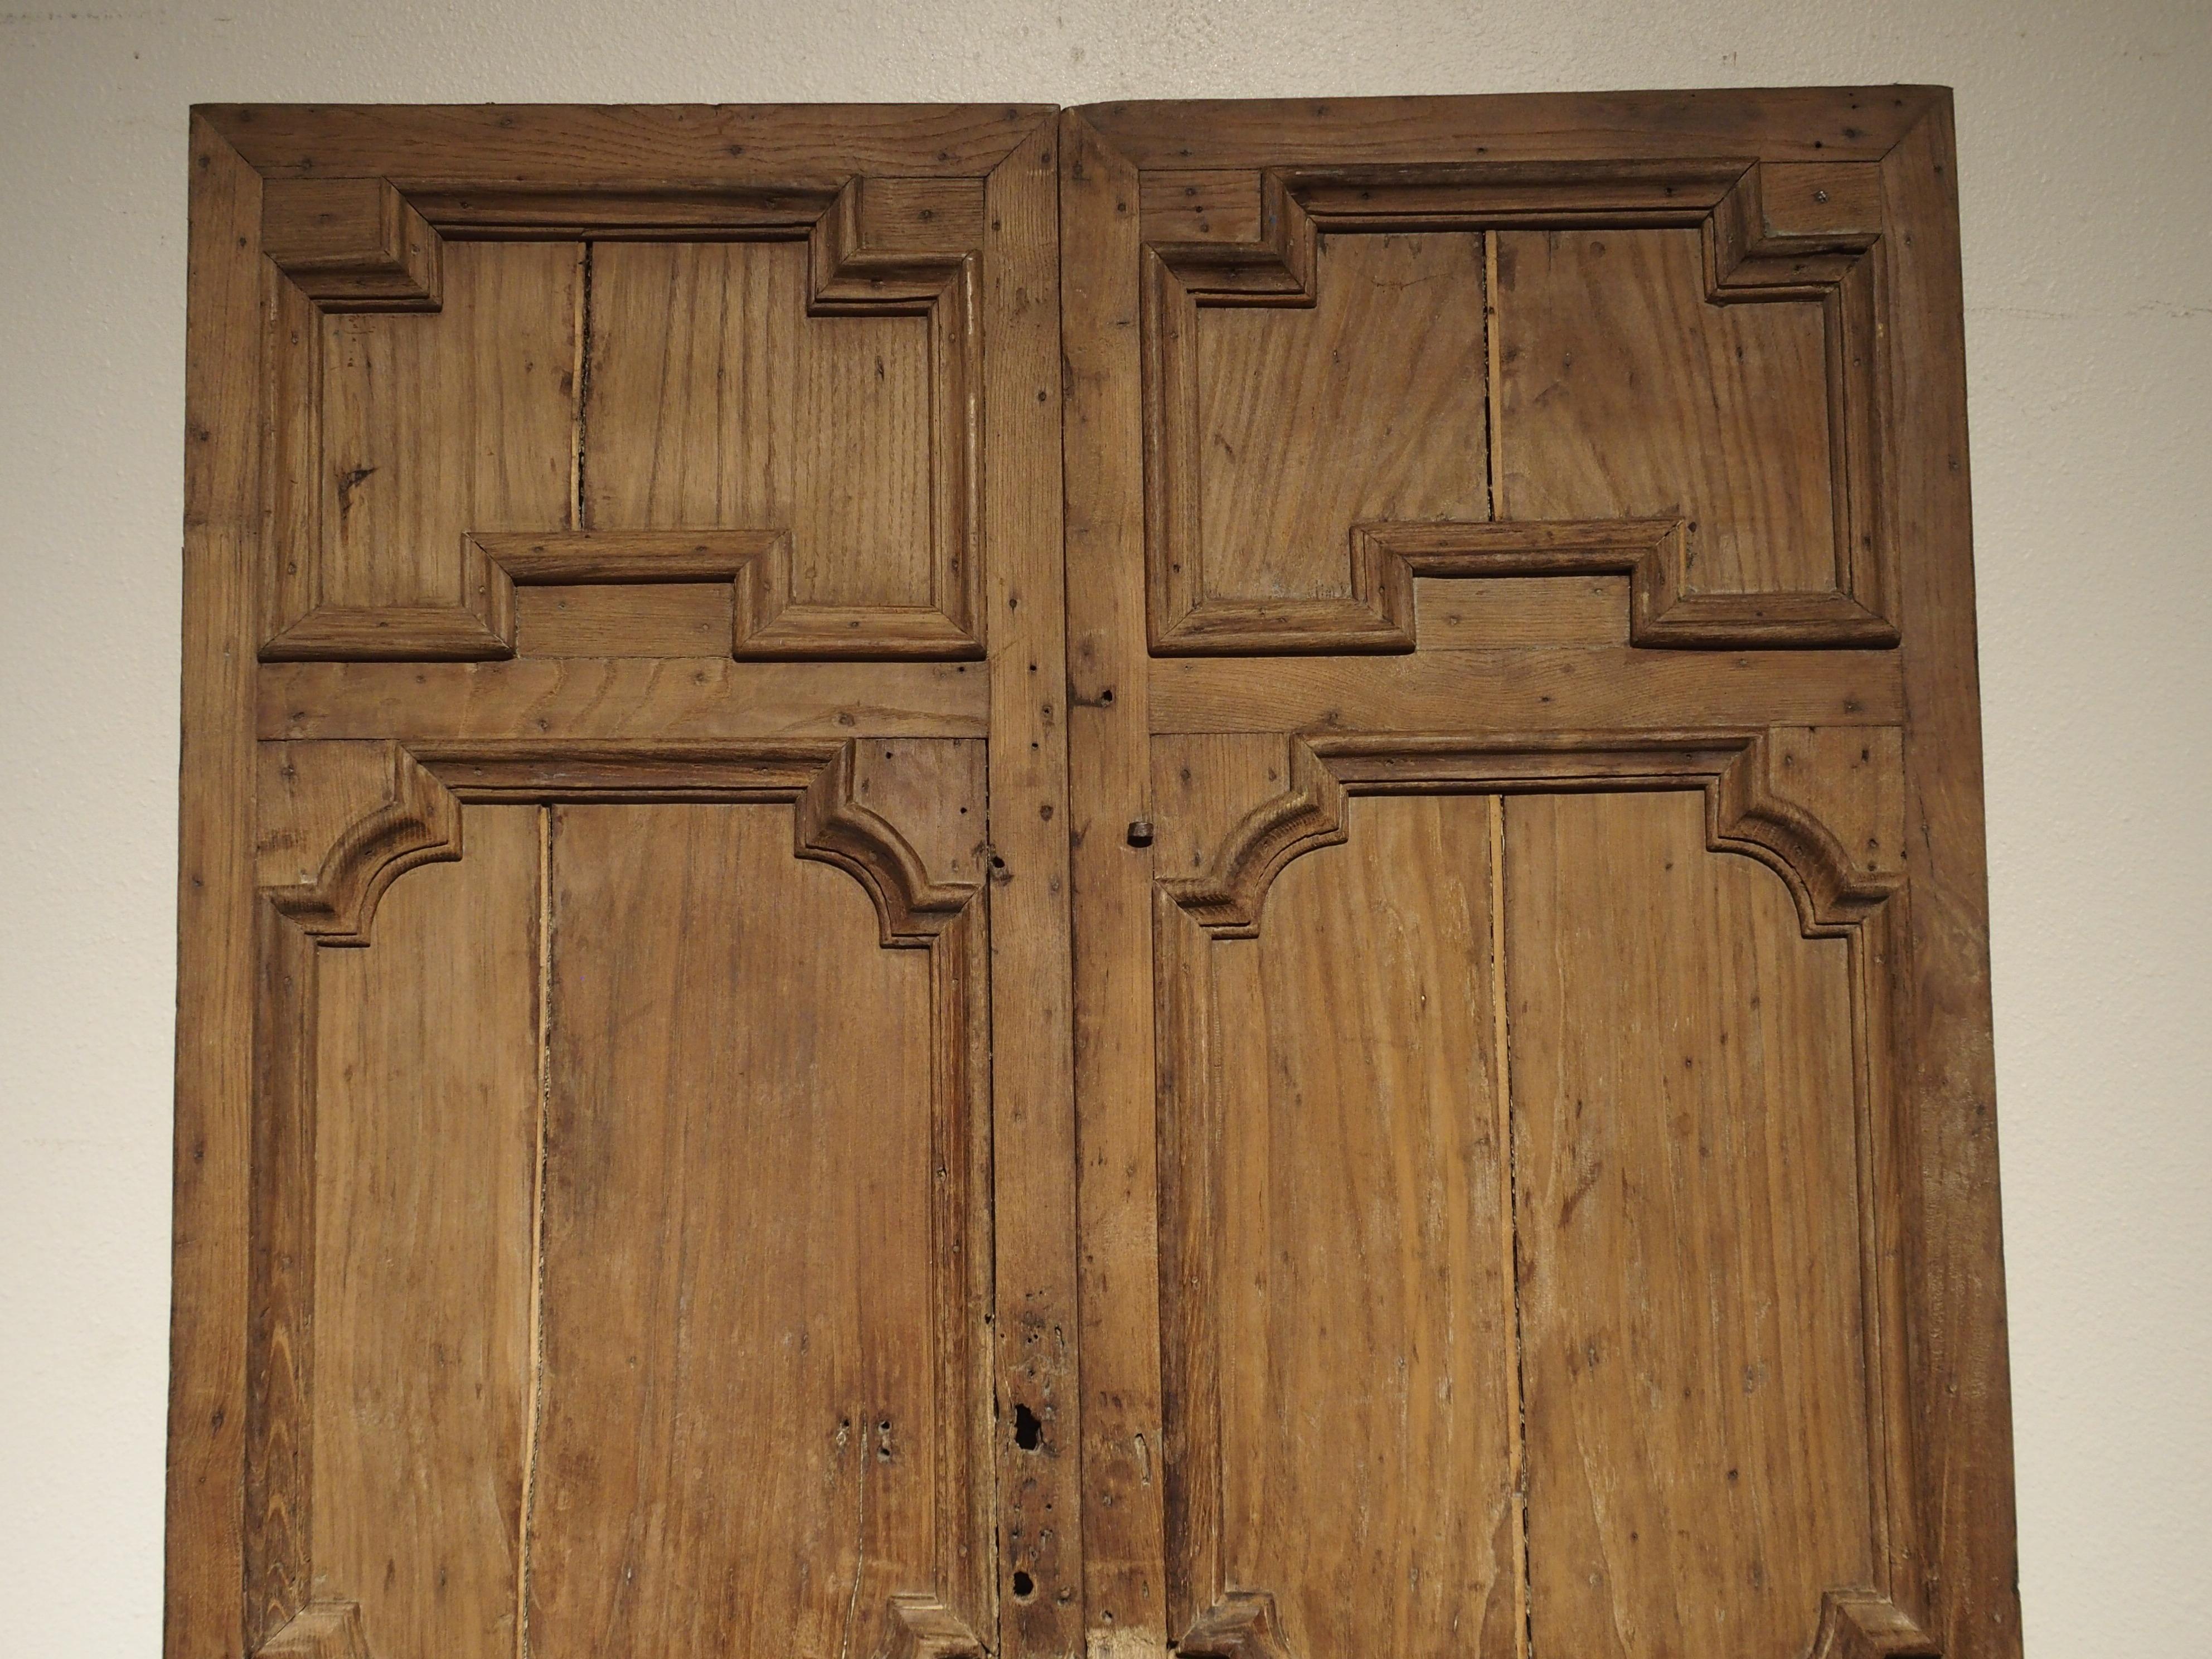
x=1504 y=587
x=1346 y=1014
x=426 y=1169
x=1685 y=1128
x=1630 y=392
x=639 y=1238
x=1340 y=1352
x=1394 y=332
x=744 y=1436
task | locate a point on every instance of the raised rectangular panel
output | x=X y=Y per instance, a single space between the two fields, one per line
x=1625 y=393
x=1308 y=422
x=1518 y=1147
x=714 y=401
x=398 y=434
x=425 y=1171
x=721 y=395
x=1688 y=1206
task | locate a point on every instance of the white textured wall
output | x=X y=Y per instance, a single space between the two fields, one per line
x=2085 y=166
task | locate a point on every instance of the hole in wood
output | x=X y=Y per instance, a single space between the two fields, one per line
x=1029 y=1433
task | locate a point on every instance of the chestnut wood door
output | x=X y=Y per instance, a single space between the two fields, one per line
x=974 y=881
x=1532 y=1060
x=626 y=1175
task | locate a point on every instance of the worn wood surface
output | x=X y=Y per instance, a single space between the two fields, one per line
x=426 y=1171
x=1359 y=1195
x=1391 y=342
x=1687 y=1231
x=1721 y=1225
x=1623 y=393
x=738 y=1430
x=1197 y=877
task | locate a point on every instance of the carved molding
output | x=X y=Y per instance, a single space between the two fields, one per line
x=1750 y=809
x=1864 y=1624
x=834 y=827
x=342 y=821
x=321 y=1629
x=882 y=247
x=1854 y=1624
x=355 y=814
x=918 y=1626
x=1806 y=802
x=339 y=823
x=352 y=243
x=1790 y=239
x=1242 y=1625
x=1225 y=898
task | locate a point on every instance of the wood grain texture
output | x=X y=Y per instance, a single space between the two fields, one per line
x=715 y=401
x=1270 y=883
x=1958 y=1574
x=1124 y=1577
x=1392 y=351
x=1687 y=1231
x=669 y=619
x=1040 y=1514
x=1488 y=613
x=742 y=1428
x=210 y=1259
x=608 y=151
x=339 y=823
x=427 y=1108
x=1528 y=689
x=1807 y=123
x=353 y=245
x=1841 y=883
x=1810 y=246
x=634 y=699
x=408 y=434
x=1360 y=1204
x=1625 y=393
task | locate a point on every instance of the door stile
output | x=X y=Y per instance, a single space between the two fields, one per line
x=216 y=908
x=1125 y=1592
x=1040 y=1407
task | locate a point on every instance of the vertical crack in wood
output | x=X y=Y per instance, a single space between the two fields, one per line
x=1524 y=1589
x=534 y=1410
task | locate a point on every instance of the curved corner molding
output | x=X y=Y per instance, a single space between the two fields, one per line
x=1225 y=898
x=1751 y=808
x=920 y=1626
x=1763 y=240
x=321 y=1629
x=831 y=823
x=1864 y=1624
x=1242 y=1625
x=340 y=822
x=832 y=826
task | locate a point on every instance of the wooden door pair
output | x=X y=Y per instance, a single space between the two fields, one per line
x=977 y=881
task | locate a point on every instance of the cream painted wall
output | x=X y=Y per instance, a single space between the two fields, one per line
x=2085 y=169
